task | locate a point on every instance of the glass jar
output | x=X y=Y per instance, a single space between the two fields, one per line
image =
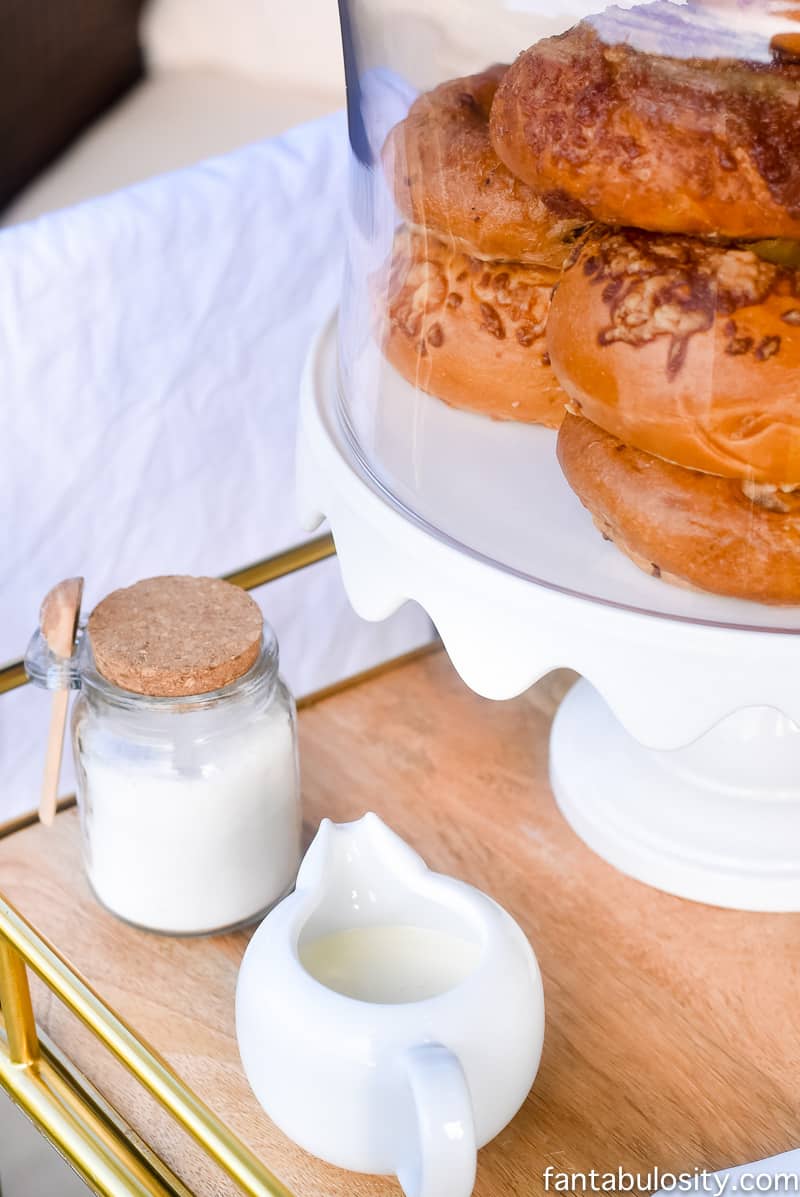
x=189 y=807
x=572 y=291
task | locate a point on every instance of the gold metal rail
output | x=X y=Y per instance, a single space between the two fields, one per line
x=12 y=676
x=89 y=1134
x=104 y=1160
x=281 y=564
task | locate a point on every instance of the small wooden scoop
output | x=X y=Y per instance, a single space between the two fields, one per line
x=58 y=620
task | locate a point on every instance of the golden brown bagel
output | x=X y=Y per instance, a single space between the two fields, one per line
x=472 y=332
x=785 y=44
x=684 y=526
x=609 y=133
x=447 y=178
x=685 y=350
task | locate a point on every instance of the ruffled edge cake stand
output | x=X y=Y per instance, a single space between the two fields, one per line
x=676 y=757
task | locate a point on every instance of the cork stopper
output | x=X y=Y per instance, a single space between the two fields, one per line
x=175 y=636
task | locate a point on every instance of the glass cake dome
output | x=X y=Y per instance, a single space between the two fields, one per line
x=569 y=334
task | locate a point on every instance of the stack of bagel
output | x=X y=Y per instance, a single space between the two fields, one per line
x=651 y=204
x=474 y=266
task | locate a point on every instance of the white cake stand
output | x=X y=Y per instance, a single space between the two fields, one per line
x=677 y=757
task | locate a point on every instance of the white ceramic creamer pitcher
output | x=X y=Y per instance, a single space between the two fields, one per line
x=390 y=1019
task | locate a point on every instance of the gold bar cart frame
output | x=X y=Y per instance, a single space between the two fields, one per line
x=82 y=1126
x=59 y=1104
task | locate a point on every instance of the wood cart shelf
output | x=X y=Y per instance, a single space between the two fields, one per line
x=671 y=1035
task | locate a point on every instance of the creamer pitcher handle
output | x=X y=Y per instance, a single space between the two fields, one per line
x=446 y=1151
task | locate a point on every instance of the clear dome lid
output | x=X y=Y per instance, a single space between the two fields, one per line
x=569 y=336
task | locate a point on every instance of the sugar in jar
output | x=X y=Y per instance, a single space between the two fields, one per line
x=185 y=748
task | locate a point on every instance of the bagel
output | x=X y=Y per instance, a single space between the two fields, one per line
x=715 y=534
x=607 y=132
x=448 y=179
x=471 y=332
x=686 y=350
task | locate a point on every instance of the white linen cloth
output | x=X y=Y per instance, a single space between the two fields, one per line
x=151 y=345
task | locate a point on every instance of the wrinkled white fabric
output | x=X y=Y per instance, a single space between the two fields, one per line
x=151 y=344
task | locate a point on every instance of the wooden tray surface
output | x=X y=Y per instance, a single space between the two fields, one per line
x=672 y=1028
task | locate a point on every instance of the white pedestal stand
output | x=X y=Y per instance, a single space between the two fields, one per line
x=718 y=821
x=686 y=772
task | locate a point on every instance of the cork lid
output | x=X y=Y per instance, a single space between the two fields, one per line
x=175 y=636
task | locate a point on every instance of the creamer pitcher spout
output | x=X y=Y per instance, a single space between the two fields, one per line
x=357 y=856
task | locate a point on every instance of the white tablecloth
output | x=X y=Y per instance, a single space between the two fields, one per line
x=151 y=344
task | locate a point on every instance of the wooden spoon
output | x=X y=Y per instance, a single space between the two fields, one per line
x=58 y=620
